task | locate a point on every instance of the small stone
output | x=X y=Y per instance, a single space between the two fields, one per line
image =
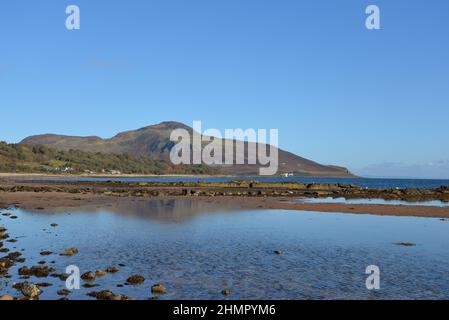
x=30 y=290
x=46 y=253
x=69 y=252
x=406 y=244
x=41 y=271
x=62 y=276
x=43 y=284
x=279 y=252
x=63 y=292
x=14 y=255
x=112 y=270
x=88 y=276
x=18 y=286
x=6 y=263
x=100 y=273
x=136 y=279
x=158 y=289
x=24 y=271
x=107 y=295
x=101 y=295
x=54 y=225
x=226 y=292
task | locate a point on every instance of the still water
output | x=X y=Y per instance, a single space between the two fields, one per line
x=432 y=203
x=197 y=250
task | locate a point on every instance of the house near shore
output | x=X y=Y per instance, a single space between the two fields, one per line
x=287 y=174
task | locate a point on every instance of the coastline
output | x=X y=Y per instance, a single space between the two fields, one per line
x=76 y=176
x=57 y=200
x=25 y=176
x=243 y=195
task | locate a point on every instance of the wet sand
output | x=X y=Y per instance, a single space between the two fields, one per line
x=42 y=195
x=53 y=200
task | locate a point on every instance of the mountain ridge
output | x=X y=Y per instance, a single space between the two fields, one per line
x=154 y=141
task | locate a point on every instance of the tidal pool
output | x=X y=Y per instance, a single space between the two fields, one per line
x=197 y=250
x=433 y=203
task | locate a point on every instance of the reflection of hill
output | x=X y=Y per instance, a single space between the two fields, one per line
x=164 y=210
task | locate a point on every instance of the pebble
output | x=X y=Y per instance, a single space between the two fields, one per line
x=69 y=252
x=63 y=292
x=226 y=292
x=88 y=276
x=112 y=270
x=158 y=288
x=136 y=279
x=100 y=273
x=406 y=244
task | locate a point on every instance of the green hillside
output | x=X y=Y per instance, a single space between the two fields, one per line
x=21 y=158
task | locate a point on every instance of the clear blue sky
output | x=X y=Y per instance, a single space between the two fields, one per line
x=374 y=101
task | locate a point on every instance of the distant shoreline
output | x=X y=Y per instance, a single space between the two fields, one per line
x=46 y=175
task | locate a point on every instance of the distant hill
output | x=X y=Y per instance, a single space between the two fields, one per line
x=154 y=142
x=21 y=158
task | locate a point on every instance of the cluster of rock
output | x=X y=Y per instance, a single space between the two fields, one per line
x=9 y=260
x=32 y=291
x=233 y=188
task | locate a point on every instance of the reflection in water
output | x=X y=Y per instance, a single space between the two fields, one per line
x=205 y=249
x=164 y=210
